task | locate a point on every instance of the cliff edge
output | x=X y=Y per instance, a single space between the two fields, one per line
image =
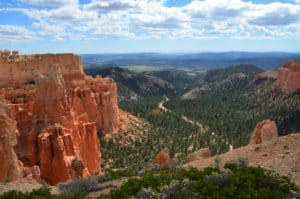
x=57 y=110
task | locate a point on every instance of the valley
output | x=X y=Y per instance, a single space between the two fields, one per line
x=217 y=109
x=161 y=106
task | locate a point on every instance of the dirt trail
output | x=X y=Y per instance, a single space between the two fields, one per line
x=186 y=119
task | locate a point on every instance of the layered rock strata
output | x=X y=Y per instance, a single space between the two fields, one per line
x=9 y=169
x=289 y=76
x=58 y=110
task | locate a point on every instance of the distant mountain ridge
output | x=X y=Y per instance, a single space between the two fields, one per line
x=264 y=60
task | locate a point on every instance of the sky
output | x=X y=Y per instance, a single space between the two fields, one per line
x=128 y=26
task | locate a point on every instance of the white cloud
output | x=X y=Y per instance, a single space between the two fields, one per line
x=50 y=2
x=111 y=4
x=136 y=19
x=275 y=14
x=15 y=33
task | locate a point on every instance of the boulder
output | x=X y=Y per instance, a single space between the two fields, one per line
x=199 y=154
x=163 y=159
x=264 y=131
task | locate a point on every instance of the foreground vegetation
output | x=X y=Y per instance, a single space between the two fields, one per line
x=43 y=193
x=234 y=181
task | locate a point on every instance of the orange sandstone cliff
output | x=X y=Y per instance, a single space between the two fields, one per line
x=289 y=76
x=9 y=169
x=58 y=110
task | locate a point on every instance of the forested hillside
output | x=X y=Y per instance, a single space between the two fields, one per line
x=227 y=102
x=133 y=85
x=230 y=103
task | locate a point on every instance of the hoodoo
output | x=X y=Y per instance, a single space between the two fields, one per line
x=57 y=109
x=289 y=76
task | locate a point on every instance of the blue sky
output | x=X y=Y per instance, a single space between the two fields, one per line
x=122 y=26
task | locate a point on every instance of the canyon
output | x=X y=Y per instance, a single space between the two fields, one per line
x=50 y=115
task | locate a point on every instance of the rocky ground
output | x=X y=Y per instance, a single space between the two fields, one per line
x=281 y=154
x=25 y=185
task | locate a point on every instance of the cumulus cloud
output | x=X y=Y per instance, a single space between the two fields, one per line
x=15 y=33
x=50 y=2
x=136 y=19
x=276 y=14
x=111 y=4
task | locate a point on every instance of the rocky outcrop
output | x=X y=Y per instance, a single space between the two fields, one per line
x=163 y=159
x=199 y=154
x=289 y=76
x=9 y=168
x=265 y=149
x=58 y=110
x=98 y=98
x=281 y=154
x=17 y=70
x=265 y=76
x=264 y=131
x=64 y=156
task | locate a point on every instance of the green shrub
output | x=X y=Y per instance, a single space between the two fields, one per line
x=239 y=163
x=219 y=179
x=84 y=185
x=43 y=193
x=177 y=190
x=236 y=181
x=146 y=194
x=233 y=182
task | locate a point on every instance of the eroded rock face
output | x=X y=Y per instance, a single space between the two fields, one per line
x=58 y=110
x=289 y=76
x=199 y=154
x=264 y=131
x=64 y=156
x=9 y=169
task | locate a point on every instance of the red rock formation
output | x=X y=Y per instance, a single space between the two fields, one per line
x=200 y=154
x=58 y=110
x=264 y=131
x=9 y=169
x=163 y=159
x=289 y=76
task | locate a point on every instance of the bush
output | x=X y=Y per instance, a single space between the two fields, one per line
x=146 y=194
x=236 y=181
x=219 y=179
x=43 y=193
x=83 y=185
x=239 y=163
x=177 y=190
x=240 y=182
